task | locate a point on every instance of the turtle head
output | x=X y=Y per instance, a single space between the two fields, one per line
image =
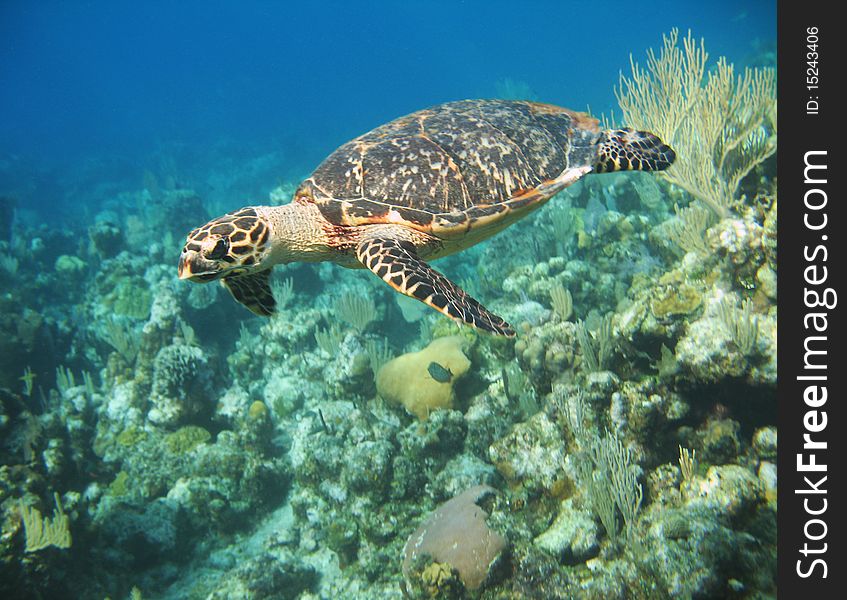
x=234 y=244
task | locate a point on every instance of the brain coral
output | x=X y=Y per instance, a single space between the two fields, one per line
x=182 y=385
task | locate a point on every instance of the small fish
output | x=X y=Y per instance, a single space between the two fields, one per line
x=439 y=373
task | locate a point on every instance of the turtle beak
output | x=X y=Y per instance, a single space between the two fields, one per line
x=184 y=268
x=194 y=267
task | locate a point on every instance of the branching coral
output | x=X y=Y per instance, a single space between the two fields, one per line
x=43 y=532
x=721 y=125
x=9 y=265
x=609 y=474
x=379 y=353
x=329 y=339
x=356 y=310
x=120 y=336
x=613 y=486
x=742 y=325
x=562 y=301
x=689 y=228
x=283 y=291
x=596 y=351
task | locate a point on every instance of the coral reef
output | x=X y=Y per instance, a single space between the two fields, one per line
x=623 y=445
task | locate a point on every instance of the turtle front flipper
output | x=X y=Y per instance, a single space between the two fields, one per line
x=253 y=291
x=397 y=263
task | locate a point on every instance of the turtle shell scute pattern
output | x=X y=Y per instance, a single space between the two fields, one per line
x=452 y=163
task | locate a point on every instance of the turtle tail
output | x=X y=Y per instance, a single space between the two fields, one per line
x=629 y=150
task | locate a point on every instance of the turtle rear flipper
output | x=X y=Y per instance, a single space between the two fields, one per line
x=253 y=291
x=396 y=262
x=629 y=150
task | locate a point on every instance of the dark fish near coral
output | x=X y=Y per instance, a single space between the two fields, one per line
x=439 y=373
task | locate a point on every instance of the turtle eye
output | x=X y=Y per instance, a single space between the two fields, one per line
x=219 y=250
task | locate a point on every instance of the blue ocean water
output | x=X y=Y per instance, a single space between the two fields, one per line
x=159 y=440
x=115 y=81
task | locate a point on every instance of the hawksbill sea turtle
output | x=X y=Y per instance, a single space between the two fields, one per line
x=421 y=187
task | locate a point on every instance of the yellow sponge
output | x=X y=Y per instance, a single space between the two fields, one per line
x=423 y=381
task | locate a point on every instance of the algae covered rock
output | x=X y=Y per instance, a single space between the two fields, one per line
x=70 y=265
x=532 y=454
x=454 y=543
x=719 y=441
x=573 y=535
x=106 y=238
x=423 y=381
x=185 y=439
x=764 y=442
x=767 y=474
x=729 y=490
